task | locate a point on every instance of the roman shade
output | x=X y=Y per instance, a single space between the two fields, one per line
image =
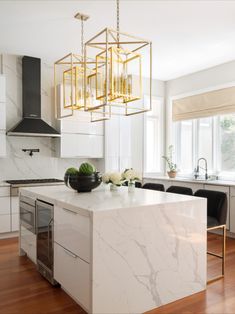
x=217 y=102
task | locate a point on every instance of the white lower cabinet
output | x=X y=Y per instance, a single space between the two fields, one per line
x=73 y=274
x=232 y=209
x=5 y=214
x=28 y=243
x=14 y=213
x=15 y=222
x=72 y=231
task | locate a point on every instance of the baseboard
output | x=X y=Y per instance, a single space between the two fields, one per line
x=8 y=235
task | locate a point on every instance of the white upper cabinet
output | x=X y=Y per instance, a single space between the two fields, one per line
x=80 y=145
x=79 y=136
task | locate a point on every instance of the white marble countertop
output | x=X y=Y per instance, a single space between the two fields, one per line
x=102 y=199
x=181 y=179
x=3 y=183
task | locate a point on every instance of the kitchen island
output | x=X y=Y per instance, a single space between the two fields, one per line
x=120 y=252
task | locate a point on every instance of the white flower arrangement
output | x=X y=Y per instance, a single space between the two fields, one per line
x=113 y=177
x=130 y=175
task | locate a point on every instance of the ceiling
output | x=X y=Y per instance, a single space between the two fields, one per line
x=187 y=36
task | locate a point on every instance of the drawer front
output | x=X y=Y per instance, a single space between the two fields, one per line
x=5 y=206
x=73 y=274
x=72 y=231
x=15 y=204
x=28 y=243
x=4 y=191
x=15 y=222
x=5 y=223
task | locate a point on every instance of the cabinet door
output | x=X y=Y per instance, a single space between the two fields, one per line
x=73 y=274
x=72 y=231
x=14 y=213
x=80 y=145
x=3 y=151
x=28 y=243
x=79 y=126
x=224 y=189
x=5 y=214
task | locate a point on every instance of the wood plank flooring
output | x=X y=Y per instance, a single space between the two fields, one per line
x=24 y=291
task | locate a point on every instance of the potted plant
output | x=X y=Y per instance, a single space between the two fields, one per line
x=130 y=176
x=171 y=165
x=114 y=179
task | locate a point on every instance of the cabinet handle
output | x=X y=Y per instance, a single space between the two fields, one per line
x=70 y=253
x=70 y=211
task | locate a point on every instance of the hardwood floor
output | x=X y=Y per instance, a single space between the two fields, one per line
x=23 y=290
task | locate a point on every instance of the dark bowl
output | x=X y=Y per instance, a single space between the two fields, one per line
x=83 y=183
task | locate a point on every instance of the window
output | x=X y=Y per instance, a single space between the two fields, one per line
x=205 y=140
x=153 y=122
x=227 y=143
x=212 y=138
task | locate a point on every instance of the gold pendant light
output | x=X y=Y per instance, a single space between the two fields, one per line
x=117 y=77
x=69 y=79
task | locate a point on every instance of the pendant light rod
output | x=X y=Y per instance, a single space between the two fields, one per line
x=82 y=17
x=118 y=20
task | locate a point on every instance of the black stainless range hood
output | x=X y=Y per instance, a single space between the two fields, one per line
x=32 y=124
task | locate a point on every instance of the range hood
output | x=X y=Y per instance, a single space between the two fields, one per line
x=32 y=124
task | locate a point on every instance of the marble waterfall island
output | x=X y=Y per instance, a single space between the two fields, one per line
x=120 y=252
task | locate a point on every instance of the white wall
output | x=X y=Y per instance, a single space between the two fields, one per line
x=213 y=78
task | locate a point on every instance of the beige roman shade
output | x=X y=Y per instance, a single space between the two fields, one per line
x=217 y=102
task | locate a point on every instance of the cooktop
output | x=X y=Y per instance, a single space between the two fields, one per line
x=33 y=181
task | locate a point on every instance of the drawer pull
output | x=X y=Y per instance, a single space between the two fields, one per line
x=70 y=211
x=70 y=253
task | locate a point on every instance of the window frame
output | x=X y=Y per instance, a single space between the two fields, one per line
x=216 y=146
x=161 y=135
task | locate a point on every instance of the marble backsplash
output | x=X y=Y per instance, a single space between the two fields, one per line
x=17 y=164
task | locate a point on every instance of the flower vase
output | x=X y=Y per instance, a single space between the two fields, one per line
x=131 y=187
x=113 y=187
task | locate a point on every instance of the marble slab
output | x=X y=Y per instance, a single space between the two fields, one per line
x=148 y=258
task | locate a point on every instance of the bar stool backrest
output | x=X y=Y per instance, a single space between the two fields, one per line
x=154 y=186
x=180 y=190
x=216 y=204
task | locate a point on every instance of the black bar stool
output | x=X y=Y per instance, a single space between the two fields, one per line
x=154 y=186
x=180 y=190
x=216 y=219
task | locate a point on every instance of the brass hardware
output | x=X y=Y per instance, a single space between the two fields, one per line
x=221 y=256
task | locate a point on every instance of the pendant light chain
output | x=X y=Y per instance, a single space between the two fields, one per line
x=118 y=20
x=82 y=38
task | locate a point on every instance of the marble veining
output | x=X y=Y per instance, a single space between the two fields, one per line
x=148 y=248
